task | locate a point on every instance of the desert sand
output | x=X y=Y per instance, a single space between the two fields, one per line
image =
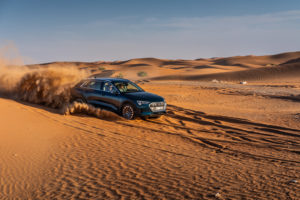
x=219 y=140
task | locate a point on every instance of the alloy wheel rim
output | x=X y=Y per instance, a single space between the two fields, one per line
x=128 y=112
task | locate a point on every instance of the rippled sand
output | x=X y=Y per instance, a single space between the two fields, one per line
x=225 y=141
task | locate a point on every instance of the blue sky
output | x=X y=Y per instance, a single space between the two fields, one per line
x=90 y=30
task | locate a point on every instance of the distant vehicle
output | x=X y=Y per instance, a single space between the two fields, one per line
x=120 y=96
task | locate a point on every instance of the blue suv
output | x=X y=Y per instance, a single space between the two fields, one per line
x=120 y=96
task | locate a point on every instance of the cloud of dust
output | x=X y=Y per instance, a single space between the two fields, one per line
x=46 y=85
x=77 y=107
x=11 y=68
x=50 y=86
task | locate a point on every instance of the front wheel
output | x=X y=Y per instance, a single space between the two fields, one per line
x=128 y=112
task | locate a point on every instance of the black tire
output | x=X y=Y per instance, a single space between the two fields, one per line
x=128 y=112
x=79 y=100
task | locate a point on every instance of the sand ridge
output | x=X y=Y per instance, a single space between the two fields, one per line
x=228 y=69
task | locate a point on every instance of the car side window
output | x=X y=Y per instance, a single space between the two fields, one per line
x=95 y=85
x=84 y=84
x=109 y=87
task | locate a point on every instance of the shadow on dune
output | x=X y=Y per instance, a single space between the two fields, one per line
x=174 y=62
x=139 y=65
x=293 y=61
x=225 y=62
x=288 y=98
x=119 y=62
x=204 y=67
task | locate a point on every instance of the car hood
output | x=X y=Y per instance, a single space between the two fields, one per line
x=144 y=96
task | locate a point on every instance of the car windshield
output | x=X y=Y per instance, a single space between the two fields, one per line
x=127 y=87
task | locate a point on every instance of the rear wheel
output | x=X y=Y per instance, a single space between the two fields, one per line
x=80 y=100
x=128 y=111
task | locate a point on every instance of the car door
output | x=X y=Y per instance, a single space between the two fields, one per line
x=110 y=96
x=92 y=92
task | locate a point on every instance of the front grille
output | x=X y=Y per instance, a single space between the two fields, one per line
x=158 y=106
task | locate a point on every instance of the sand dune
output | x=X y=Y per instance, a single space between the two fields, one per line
x=228 y=69
x=258 y=60
x=254 y=67
x=284 y=71
x=219 y=140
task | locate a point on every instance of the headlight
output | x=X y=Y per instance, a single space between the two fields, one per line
x=142 y=102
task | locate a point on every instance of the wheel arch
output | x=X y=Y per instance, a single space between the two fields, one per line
x=137 y=111
x=79 y=97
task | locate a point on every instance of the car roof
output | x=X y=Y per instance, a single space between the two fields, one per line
x=107 y=79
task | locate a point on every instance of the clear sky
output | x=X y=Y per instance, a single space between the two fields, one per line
x=91 y=30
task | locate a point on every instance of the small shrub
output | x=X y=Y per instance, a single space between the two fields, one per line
x=101 y=68
x=120 y=75
x=270 y=65
x=142 y=74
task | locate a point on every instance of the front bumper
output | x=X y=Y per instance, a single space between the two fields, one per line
x=152 y=114
x=152 y=109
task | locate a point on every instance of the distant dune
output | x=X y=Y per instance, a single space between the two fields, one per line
x=237 y=68
x=264 y=73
